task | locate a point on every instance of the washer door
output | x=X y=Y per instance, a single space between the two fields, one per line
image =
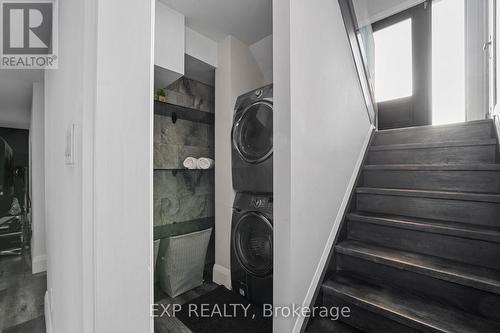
x=253 y=244
x=253 y=132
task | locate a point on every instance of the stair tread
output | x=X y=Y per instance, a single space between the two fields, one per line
x=444 y=269
x=442 y=144
x=426 y=127
x=450 y=195
x=406 y=308
x=323 y=325
x=463 y=230
x=436 y=167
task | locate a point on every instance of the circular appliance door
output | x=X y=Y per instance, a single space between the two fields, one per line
x=253 y=132
x=253 y=244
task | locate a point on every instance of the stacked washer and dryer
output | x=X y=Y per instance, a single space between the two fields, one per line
x=252 y=173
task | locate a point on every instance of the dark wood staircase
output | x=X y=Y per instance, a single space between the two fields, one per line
x=419 y=250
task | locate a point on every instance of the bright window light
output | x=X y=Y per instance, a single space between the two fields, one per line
x=448 y=62
x=393 y=62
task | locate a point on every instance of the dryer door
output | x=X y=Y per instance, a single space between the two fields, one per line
x=253 y=244
x=253 y=132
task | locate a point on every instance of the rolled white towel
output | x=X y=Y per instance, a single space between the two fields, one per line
x=205 y=163
x=190 y=163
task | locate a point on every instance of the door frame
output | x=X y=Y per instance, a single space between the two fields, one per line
x=420 y=103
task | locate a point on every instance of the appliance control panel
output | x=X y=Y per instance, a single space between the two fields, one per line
x=262 y=202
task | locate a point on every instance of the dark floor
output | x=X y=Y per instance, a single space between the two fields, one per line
x=166 y=324
x=21 y=296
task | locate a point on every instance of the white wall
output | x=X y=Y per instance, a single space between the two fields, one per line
x=236 y=74
x=170 y=44
x=123 y=166
x=476 y=60
x=201 y=47
x=15 y=117
x=16 y=89
x=262 y=51
x=496 y=75
x=496 y=71
x=98 y=212
x=37 y=179
x=64 y=95
x=320 y=115
x=169 y=38
x=282 y=287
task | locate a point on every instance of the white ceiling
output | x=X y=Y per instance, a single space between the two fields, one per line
x=16 y=89
x=247 y=20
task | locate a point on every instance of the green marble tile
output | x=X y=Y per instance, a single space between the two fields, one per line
x=166 y=156
x=183 y=132
x=179 y=194
x=193 y=94
x=182 y=195
x=36 y=325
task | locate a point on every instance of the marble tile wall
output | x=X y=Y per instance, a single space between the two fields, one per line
x=183 y=195
x=179 y=194
x=174 y=142
x=191 y=94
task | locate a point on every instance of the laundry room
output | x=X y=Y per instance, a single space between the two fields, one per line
x=213 y=163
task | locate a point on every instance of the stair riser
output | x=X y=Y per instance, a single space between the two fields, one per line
x=364 y=320
x=461 y=154
x=325 y=325
x=446 y=228
x=463 y=297
x=472 y=212
x=464 y=250
x=466 y=181
x=435 y=134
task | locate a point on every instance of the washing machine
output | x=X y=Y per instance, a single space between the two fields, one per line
x=252 y=141
x=252 y=247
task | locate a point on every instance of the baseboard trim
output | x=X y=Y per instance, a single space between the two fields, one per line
x=39 y=264
x=48 y=312
x=313 y=287
x=222 y=275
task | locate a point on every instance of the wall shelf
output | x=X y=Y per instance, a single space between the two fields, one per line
x=183 y=227
x=185 y=113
